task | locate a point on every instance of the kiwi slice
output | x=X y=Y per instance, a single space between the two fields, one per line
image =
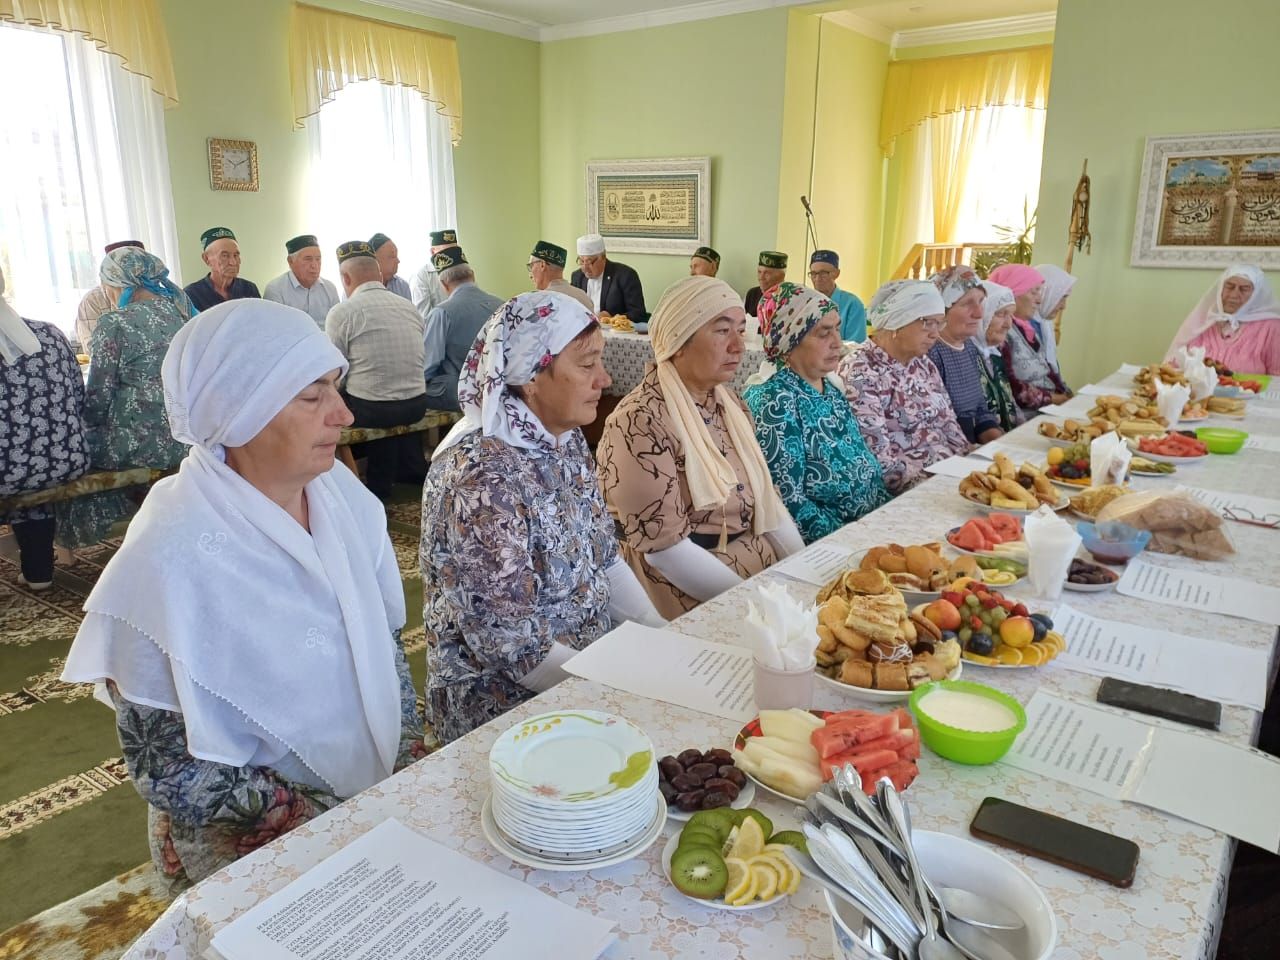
x=699 y=872
x=766 y=825
x=792 y=838
x=704 y=835
x=720 y=820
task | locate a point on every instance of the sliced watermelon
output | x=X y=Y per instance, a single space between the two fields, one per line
x=865 y=761
x=969 y=538
x=896 y=741
x=843 y=735
x=905 y=720
x=1006 y=526
x=901 y=773
x=988 y=531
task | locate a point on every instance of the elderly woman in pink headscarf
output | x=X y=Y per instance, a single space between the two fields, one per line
x=1237 y=322
x=1032 y=373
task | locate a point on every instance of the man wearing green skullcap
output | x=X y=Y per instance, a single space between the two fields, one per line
x=425 y=290
x=546 y=270
x=222 y=283
x=387 y=254
x=771 y=270
x=301 y=286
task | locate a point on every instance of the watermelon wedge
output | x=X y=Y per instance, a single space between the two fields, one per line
x=843 y=735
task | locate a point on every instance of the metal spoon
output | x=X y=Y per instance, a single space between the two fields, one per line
x=977 y=944
x=932 y=946
x=806 y=865
x=976 y=910
x=847 y=817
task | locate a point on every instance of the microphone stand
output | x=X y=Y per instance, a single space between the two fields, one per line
x=811 y=230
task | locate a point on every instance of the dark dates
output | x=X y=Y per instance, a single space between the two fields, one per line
x=695 y=780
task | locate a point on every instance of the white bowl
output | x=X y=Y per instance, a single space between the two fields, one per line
x=950 y=861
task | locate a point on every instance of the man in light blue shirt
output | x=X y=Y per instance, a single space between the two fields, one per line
x=452 y=327
x=824 y=270
x=301 y=286
x=388 y=257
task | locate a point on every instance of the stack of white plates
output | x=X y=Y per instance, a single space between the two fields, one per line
x=575 y=788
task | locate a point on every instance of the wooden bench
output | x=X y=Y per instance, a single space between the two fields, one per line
x=82 y=486
x=430 y=423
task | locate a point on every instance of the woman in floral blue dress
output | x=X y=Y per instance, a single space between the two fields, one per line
x=124 y=412
x=42 y=440
x=826 y=475
x=247 y=631
x=520 y=567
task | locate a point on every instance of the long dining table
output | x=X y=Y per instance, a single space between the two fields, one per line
x=1173 y=909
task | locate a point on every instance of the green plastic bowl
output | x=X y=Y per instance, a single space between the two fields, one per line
x=966 y=746
x=1222 y=439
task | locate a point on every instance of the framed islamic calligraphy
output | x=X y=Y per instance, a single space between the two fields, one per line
x=650 y=206
x=1207 y=200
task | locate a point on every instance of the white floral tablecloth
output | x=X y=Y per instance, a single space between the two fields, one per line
x=628 y=355
x=1173 y=910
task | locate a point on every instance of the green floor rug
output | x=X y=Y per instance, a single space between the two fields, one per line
x=70 y=822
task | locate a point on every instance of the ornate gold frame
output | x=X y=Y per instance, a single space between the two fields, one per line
x=216 y=146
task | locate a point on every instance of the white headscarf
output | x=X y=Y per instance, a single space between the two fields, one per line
x=685 y=307
x=16 y=338
x=1057 y=284
x=272 y=642
x=998 y=297
x=1261 y=306
x=520 y=339
x=900 y=303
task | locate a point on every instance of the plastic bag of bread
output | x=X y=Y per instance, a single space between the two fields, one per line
x=1178 y=524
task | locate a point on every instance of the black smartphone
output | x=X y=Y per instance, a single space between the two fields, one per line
x=1064 y=842
x=1158 y=702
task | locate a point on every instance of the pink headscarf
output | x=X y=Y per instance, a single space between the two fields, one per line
x=1019 y=278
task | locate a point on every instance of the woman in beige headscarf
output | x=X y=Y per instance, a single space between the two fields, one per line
x=679 y=464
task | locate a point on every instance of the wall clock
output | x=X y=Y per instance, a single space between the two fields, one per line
x=233 y=164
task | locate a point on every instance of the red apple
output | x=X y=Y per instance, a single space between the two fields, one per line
x=943 y=614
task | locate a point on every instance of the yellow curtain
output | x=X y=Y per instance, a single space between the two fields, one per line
x=916 y=90
x=952 y=141
x=130 y=29
x=328 y=50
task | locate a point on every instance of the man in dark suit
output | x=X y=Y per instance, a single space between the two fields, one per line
x=613 y=287
x=771 y=270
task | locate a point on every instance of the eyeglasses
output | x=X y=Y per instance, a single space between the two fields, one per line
x=590 y=261
x=529 y=266
x=820 y=274
x=933 y=326
x=1245 y=515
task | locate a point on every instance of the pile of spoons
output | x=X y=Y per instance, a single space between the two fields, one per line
x=860 y=850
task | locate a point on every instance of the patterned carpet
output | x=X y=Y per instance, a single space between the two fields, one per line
x=71 y=827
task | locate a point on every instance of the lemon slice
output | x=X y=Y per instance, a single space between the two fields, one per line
x=788 y=875
x=749 y=841
x=1034 y=654
x=1009 y=655
x=741 y=882
x=766 y=877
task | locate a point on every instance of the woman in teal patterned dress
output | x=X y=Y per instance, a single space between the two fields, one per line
x=826 y=475
x=124 y=413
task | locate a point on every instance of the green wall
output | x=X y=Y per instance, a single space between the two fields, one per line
x=708 y=88
x=834 y=88
x=231 y=60
x=1122 y=72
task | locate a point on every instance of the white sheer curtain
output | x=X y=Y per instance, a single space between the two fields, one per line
x=381 y=161
x=965 y=172
x=83 y=162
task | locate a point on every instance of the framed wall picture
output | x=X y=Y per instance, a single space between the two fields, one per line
x=233 y=164
x=650 y=206
x=1209 y=199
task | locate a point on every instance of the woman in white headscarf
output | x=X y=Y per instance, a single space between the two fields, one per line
x=520 y=567
x=42 y=440
x=1058 y=285
x=895 y=390
x=247 y=631
x=681 y=469
x=1237 y=322
x=997 y=319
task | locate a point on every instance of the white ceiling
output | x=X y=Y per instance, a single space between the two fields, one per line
x=559 y=19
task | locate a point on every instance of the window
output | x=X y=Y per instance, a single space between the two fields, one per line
x=83 y=163
x=381 y=161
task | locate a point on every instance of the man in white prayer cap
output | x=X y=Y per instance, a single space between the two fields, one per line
x=614 y=288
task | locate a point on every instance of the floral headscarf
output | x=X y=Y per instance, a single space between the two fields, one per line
x=130 y=268
x=954 y=282
x=787 y=313
x=900 y=303
x=515 y=344
x=998 y=297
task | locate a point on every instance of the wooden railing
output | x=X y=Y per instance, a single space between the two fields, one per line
x=926 y=259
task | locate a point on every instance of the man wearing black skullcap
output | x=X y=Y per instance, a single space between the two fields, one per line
x=426 y=290
x=301 y=286
x=388 y=256
x=222 y=283
x=705 y=262
x=452 y=327
x=771 y=270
